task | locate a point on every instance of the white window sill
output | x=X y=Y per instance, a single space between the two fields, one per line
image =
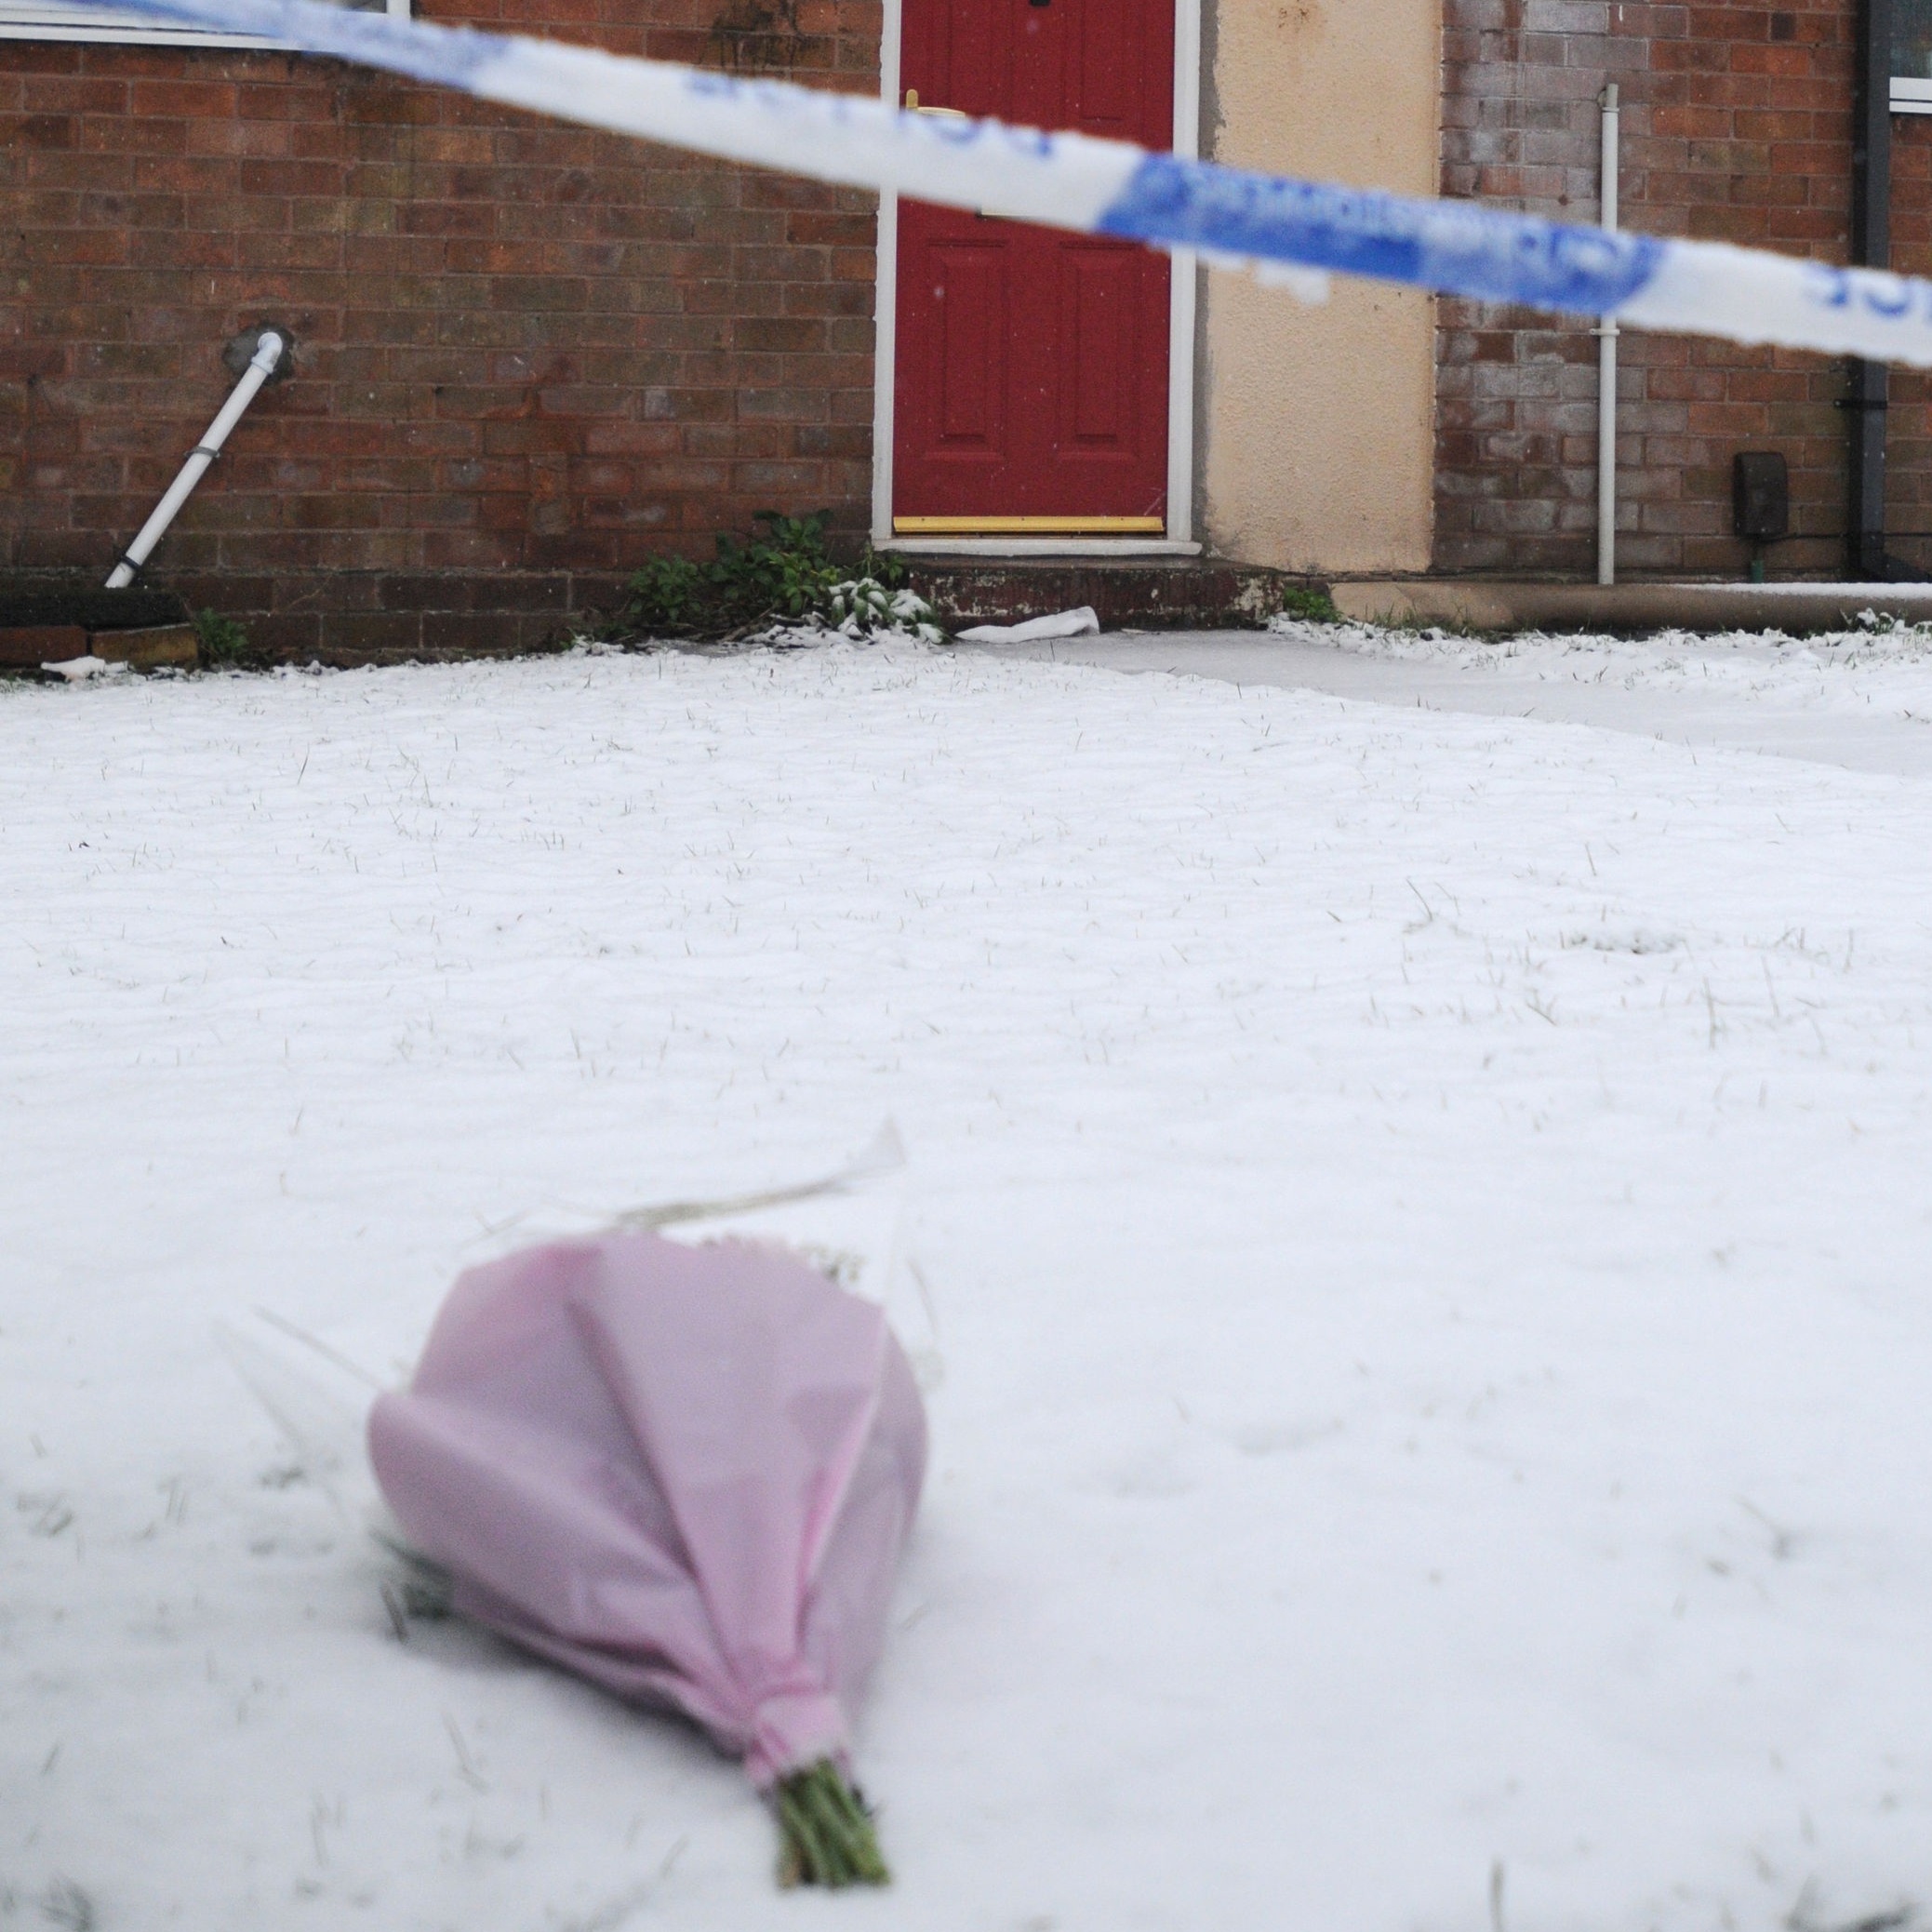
x=23 y=19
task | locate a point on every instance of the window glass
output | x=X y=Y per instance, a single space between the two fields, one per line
x=1912 y=40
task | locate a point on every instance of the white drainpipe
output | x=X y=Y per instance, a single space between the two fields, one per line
x=262 y=366
x=1606 y=366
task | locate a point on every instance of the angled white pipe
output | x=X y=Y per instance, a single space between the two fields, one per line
x=262 y=366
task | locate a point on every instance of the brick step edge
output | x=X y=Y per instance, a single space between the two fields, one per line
x=30 y=602
x=1166 y=595
x=158 y=647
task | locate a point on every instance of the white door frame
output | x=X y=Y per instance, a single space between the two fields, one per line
x=1181 y=342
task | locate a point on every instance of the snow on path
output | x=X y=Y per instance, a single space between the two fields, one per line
x=1862 y=700
x=1426 y=1219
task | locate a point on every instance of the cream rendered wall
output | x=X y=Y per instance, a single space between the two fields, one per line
x=1316 y=425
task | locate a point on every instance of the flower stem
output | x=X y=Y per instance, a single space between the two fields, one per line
x=829 y=1838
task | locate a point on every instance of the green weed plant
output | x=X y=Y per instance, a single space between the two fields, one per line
x=782 y=575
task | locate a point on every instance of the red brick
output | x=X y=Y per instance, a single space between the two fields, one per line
x=523 y=345
x=26 y=648
x=1733 y=127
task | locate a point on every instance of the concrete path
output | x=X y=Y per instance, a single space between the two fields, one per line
x=1722 y=718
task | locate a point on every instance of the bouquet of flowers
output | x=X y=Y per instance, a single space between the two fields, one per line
x=682 y=1469
x=686 y=1473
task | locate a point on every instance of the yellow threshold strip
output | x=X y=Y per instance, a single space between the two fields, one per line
x=1027 y=525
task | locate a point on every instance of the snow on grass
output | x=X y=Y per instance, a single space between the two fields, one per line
x=1425 y=1219
x=1883 y=670
x=1861 y=699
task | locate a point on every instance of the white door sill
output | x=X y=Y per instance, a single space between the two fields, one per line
x=1036 y=547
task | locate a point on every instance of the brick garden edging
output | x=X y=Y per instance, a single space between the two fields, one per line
x=349 y=619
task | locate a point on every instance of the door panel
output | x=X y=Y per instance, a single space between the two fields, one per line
x=1097 y=342
x=970 y=339
x=1032 y=376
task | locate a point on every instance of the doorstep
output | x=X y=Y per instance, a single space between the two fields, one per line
x=1150 y=594
x=1485 y=603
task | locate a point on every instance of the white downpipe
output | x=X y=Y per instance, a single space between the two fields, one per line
x=1606 y=363
x=262 y=366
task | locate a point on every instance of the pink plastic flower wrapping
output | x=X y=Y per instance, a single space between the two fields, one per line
x=684 y=1472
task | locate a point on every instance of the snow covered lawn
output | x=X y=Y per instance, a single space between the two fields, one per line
x=1426 y=1219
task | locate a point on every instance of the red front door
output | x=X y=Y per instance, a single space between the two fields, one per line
x=1031 y=364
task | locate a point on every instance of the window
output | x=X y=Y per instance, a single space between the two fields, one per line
x=32 y=19
x=1912 y=57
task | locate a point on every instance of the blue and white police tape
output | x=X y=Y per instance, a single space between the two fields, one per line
x=1105 y=187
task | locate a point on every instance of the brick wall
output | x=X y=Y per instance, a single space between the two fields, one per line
x=530 y=355
x=1737 y=126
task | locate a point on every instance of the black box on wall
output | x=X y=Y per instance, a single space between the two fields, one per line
x=1761 y=496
